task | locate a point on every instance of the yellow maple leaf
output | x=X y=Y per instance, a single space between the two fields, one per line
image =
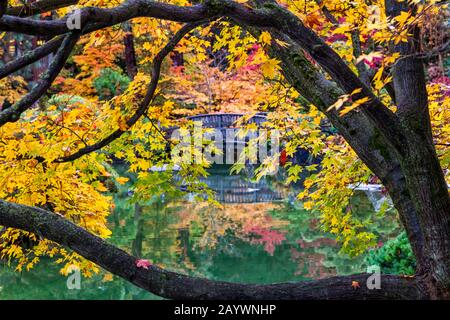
x=265 y=38
x=270 y=67
x=308 y=205
x=339 y=103
x=108 y=277
x=147 y=46
x=402 y=18
x=354 y=105
x=122 y=180
x=356 y=91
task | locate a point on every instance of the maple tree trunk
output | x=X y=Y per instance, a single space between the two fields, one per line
x=427 y=186
x=424 y=176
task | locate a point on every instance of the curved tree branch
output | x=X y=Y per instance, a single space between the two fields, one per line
x=178 y=286
x=105 y=17
x=156 y=71
x=13 y=113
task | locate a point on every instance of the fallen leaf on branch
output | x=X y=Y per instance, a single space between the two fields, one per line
x=142 y=263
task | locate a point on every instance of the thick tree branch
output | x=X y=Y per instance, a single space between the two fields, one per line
x=13 y=113
x=156 y=71
x=104 y=17
x=420 y=164
x=178 y=286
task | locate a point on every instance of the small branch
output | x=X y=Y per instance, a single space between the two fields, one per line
x=441 y=50
x=160 y=132
x=357 y=52
x=13 y=113
x=62 y=126
x=40 y=52
x=156 y=70
x=129 y=51
x=31 y=57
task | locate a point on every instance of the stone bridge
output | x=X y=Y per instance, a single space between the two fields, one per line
x=226 y=120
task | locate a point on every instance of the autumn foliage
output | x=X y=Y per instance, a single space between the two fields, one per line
x=219 y=67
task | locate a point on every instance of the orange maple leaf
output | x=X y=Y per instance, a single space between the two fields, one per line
x=313 y=20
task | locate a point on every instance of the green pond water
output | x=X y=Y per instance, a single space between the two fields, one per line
x=247 y=240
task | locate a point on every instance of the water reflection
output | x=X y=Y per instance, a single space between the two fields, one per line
x=255 y=236
x=242 y=188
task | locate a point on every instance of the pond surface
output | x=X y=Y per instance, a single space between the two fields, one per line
x=259 y=235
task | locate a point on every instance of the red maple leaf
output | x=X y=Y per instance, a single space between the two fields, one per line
x=283 y=158
x=142 y=263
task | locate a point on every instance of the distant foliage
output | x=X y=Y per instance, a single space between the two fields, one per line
x=395 y=257
x=110 y=83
